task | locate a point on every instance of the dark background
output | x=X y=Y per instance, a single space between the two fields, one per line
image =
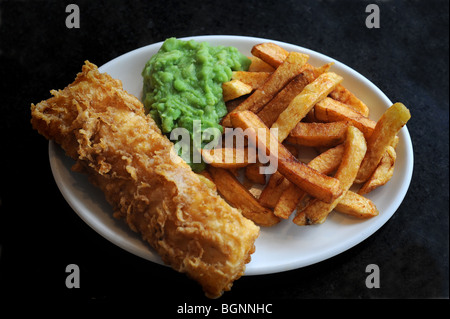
x=407 y=58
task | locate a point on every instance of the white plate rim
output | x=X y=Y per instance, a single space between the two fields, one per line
x=132 y=243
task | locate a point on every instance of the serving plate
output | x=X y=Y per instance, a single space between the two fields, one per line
x=282 y=247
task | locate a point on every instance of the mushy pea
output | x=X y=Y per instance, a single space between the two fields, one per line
x=183 y=83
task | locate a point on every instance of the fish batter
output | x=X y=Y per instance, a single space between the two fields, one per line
x=123 y=152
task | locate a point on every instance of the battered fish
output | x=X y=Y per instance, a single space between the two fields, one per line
x=123 y=152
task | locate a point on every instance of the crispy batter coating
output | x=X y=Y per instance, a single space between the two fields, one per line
x=122 y=150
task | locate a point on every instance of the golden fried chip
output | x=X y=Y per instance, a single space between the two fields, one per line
x=304 y=102
x=324 y=163
x=329 y=110
x=318 y=185
x=290 y=68
x=238 y=196
x=270 y=53
x=272 y=192
x=383 y=135
x=316 y=211
x=382 y=173
x=357 y=206
x=234 y=89
x=280 y=102
x=318 y=134
x=228 y=157
x=253 y=79
x=258 y=65
x=341 y=94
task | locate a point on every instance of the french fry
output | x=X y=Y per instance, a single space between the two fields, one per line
x=277 y=184
x=316 y=211
x=253 y=174
x=288 y=201
x=272 y=192
x=253 y=79
x=328 y=161
x=351 y=204
x=238 y=196
x=280 y=102
x=312 y=73
x=395 y=142
x=314 y=183
x=270 y=53
x=304 y=102
x=258 y=65
x=291 y=148
x=341 y=94
x=357 y=206
x=291 y=67
x=383 y=134
x=329 y=110
x=324 y=163
x=275 y=55
x=318 y=134
x=232 y=104
x=229 y=157
x=382 y=173
x=234 y=89
x=283 y=89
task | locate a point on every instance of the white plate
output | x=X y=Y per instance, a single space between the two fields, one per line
x=279 y=248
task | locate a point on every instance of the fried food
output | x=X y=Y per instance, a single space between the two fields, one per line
x=259 y=65
x=318 y=134
x=311 y=110
x=384 y=133
x=105 y=130
x=357 y=206
x=341 y=94
x=254 y=79
x=235 y=193
x=324 y=163
x=272 y=192
x=382 y=174
x=280 y=102
x=314 y=183
x=304 y=102
x=270 y=53
x=354 y=150
x=253 y=174
x=229 y=157
x=329 y=110
x=290 y=68
x=235 y=88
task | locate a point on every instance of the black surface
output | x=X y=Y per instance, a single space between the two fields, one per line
x=407 y=58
